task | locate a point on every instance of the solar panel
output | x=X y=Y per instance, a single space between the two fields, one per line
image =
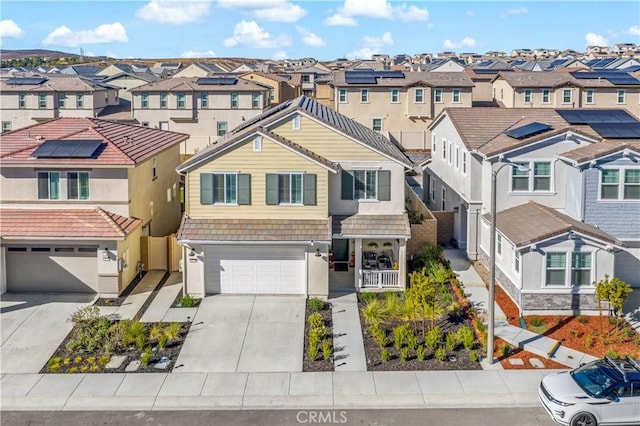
x=67 y=148
x=527 y=130
x=488 y=70
x=26 y=80
x=223 y=81
x=617 y=130
x=590 y=116
x=361 y=80
x=485 y=63
x=623 y=79
x=603 y=62
x=590 y=62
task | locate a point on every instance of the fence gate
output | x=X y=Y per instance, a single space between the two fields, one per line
x=162 y=253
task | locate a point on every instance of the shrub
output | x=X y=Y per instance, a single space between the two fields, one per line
x=505 y=349
x=404 y=353
x=412 y=339
x=91 y=360
x=187 y=301
x=156 y=331
x=73 y=370
x=473 y=356
x=104 y=360
x=146 y=356
x=588 y=340
x=54 y=364
x=85 y=316
x=611 y=353
x=66 y=361
x=400 y=334
x=141 y=340
x=77 y=360
x=384 y=355
x=84 y=368
x=94 y=368
x=465 y=335
x=535 y=321
x=379 y=334
x=434 y=338
x=441 y=354
x=420 y=353
x=575 y=332
x=451 y=342
x=312 y=350
x=316 y=304
x=582 y=319
x=454 y=310
x=374 y=312
x=162 y=341
x=116 y=336
x=54 y=367
x=134 y=329
x=326 y=349
x=315 y=320
x=367 y=296
x=392 y=304
x=172 y=331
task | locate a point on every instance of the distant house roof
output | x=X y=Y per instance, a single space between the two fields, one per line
x=191 y=84
x=82 y=70
x=601 y=149
x=433 y=79
x=144 y=76
x=530 y=223
x=55 y=83
x=65 y=223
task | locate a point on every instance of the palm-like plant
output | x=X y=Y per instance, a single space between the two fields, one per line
x=374 y=312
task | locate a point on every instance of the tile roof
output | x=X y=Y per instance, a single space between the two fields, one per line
x=532 y=222
x=65 y=223
x=600 y=149
x=259 y=230
x=124 y=144
x=57 y=83
x=188 y=84
x=383 y=225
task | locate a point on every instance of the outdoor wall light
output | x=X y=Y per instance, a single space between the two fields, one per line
x=318 y=254
x=105 y=254
x=192 y=253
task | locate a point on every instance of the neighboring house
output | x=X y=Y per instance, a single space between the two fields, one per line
x=76 y=195
x=125 y=81
x=598 y=50
x=87 y=71
x=299 y=200
x=280 y=87
x=166 y=69
x=557 y=201
x=205 y=107
x=399 y=104
x=114 y=69
x=28 y=100
x=308 y=76
x=199 y=69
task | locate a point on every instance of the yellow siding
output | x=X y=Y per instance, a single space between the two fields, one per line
x=325 y=142
x=272 y=159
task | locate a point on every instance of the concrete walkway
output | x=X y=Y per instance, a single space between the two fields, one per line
x=516 y=336
x=132 y=304
x=161 y=308
x=347 y=334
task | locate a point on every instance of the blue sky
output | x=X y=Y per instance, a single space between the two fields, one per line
x=276 y=29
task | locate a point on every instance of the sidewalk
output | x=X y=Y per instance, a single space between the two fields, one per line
x=133 y=303
x=516 y=336
x=347 y=334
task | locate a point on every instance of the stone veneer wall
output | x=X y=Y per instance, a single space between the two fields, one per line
x=512 y=290
x=445 y=226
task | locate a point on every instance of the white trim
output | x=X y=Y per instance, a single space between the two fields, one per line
x=568 y=269
x=453 y=96
x=531 y=177
x=621 y=172
x=441 y=93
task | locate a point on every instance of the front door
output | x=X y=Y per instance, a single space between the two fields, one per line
x=340 y=254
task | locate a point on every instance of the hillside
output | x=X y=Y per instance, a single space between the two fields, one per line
x=28 y=53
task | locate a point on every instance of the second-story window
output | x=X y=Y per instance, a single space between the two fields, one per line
x=437 y=96
x=376 y=124
x=154 y=167
x=62 y=100
x=163 y=100
x=366 y=184
x=22 y=100
x=79 y=100
x=621 y=96
x=534 y=176
x=364 y=95
x=42 y=100
x=589 y=96
x=395 y=96
x=419 y=96
x=181 y=99
x=255 y=100
x=78 y=185
x=546 y=98
x=342 y=96
x=234 y=100
x=204 y=100
x=444 y=149
x=144 y=100
x=290 y=188
x=294 y=188
x=48 y=185
x=527 y=96
x=464 y=162
x=456 y=96
x=272 y=95
x=567 y=96
x=225 y=188
x=612 y=187
x=221 y=128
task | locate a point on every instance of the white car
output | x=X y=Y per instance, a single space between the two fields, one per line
x=602 y=392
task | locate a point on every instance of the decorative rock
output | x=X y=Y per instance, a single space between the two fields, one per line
x=115 y=361
x=536 y=363
x=516 y=361
x=133 y=366
x=163 y=364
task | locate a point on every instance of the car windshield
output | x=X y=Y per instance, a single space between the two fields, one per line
x=593 y=380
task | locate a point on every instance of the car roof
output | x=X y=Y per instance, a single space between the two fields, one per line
x=620 y=369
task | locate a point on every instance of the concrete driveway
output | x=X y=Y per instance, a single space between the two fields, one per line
x=245 y=334
x=33 y=326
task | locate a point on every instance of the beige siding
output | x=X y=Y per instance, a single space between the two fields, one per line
x=273 y=158
x=129 y=248
x=504 y=92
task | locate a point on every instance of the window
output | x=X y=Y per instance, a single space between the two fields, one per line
x=621 y=96
x=590 y=96
x=22 y=100
x=631 y=189
x=78 y=185
x=144 y=99
x=234 y=100
x=6 y=126
x=464 y=162
x=257 y=144
x=364 y=95
x=499 y=244
x=457 y=157
x=154 y=167
x=163 y=100
x=609 y=183
x=255 y=100
x=48 y=185
x=432 y=188
x=444 y=149
x=610 y=188
x=79 y=100
x=145 y=124
x=62 y=100
x=294 y=188
x=556 y=269
x=437 y=96
x=305 y=78
x=444 y=199
x=567 y=96
x=395 y=96
x=272 y=95
x=531 y=176
x=377 y=124
x=342 y=96
x=456 y=96
x=450 y=154
x=204 y=100
x=290 y=188
x=527 y=96
x=516 y=261
x=433 y=144
x=542 y=176
x=164 y=125
x=42 y=100
x=546 y=98
x=221 y=128
x=295 y=123
x=581 y=269
x=366 y=184
x=419 y=96
x=181 y=100
x=225 y=188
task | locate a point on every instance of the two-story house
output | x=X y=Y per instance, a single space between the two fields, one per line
x=299 y=200
x=28 y=100
x=556 y=230
x=76 y=195
x=203 y=107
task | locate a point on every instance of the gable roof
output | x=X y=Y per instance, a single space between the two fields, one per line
x=123 y=144
x=432 y=79
x=190 y=84
x=57 y=83
x=316 y=111
x=601 y=149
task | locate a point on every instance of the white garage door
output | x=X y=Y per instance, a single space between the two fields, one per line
x=255 y=270
x=52 y=269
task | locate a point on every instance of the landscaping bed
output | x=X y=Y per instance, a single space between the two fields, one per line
x=182 y=301
x=95 y=344
x=318 y=331
x=506 y=357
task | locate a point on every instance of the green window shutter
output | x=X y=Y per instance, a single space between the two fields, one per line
x=309 y=195
x=384 y=185
x=347 y=185
x=206 y=188
x=272 y=189
x=244 y=189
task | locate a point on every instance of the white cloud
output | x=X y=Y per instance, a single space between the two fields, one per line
x=465 y=42
x=174 y=12
x=339 y=20
x=8 y=28
x=309 y=38
x=279 y=55
x=384 y=40
x=375 y=9
x=517 y=11
x=410 y=13
x=469 y=12
x=363 y=53
x=251 y=34
x=594 y=39
x=199 y=54
x=368 y=8
x=430 y=25
x=285 y=12
x=249 y=4
x=111 y=55
x=635 y=30
x=106 y=33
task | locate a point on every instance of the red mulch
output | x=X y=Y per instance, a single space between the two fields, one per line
x=524 y=356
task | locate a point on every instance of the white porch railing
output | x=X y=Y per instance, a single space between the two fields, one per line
x=380 y=279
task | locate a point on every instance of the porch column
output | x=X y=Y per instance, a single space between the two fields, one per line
x=358 y=262
x=402 y=264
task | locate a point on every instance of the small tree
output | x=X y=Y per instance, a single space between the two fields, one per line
x=616 y=292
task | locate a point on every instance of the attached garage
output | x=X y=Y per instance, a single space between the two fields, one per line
x=256 y=269
x=51 y=269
